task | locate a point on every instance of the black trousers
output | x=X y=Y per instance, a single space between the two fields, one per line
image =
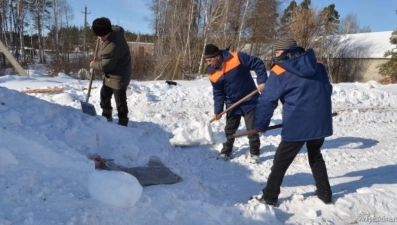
x=232 y=124
x=285 y=154
x=120 y=96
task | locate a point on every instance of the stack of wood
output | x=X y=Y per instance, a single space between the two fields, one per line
x=44 y=90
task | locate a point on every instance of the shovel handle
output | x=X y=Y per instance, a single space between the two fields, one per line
x=235 y=104
x=255 y=131
x=92 y=71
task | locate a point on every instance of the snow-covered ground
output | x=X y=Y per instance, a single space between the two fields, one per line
x=46 y=177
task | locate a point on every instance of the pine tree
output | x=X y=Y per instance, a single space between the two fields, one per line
x=389 y=69
x=331 y=19
x=285 y=19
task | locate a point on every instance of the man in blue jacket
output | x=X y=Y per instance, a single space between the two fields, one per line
x=231 y=79
x=302 y=85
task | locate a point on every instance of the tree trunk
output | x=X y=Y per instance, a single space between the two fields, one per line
x=247 y=5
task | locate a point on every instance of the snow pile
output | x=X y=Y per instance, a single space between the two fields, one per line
x=115 y=188
x=197 y=133
x=46 y=177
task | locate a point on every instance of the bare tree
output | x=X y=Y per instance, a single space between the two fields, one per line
x=62 y=12
x=348 y=59
x=312 y=27
x=183 y=28
x=329 y=23
x=39 y=12
x=365 y=29
x=179 y=35
x=318 y=29
x=11 y=23
x=350 y=25
x=211 y=14
x=3 y=26
x=243 y=21
x=262 y=25
x=304 y=25
x=22 y=9
x=305 y=22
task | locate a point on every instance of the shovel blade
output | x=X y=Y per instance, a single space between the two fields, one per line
x=196 y=134
x=214 y=137
x=88 y=108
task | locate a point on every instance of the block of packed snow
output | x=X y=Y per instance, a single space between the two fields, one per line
x=115 y=188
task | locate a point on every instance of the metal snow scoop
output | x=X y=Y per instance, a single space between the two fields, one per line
x=203 y=135
x=85 y=106
x=241 y=134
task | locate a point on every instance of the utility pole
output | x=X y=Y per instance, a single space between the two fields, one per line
x=85 y=28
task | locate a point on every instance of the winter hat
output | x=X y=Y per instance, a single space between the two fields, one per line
x=211 y=51
x=101 y=26
x=285 y=43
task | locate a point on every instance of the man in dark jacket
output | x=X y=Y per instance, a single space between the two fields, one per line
x=114 y=60
x=231 y=80
x=302 y=85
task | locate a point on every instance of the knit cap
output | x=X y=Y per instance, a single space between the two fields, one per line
x=285 y=43
x=211 y=51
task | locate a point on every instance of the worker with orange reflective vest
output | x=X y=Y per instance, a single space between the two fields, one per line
x=231 y=79
x=301 y=83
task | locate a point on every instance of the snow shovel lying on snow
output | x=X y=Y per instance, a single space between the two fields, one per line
x=85 y=106
x=241 y=134
x=198 y=134
x=154 y=173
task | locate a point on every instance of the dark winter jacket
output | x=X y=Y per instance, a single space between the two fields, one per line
x=114 y=60
x=303 y=87
x=234 y=81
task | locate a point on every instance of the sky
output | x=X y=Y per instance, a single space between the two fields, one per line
x=135 y=15
x=47 y=175
x=132 y=15
x=378 y=15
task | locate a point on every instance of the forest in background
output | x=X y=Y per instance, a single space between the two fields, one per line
x=42 y=29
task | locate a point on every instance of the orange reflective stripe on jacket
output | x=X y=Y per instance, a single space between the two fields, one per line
x=278 y=70
x=228 y=65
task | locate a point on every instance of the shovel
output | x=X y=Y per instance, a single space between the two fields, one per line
x=241 y=134
x=85 y=106
x=235 y=104
x=202 y=135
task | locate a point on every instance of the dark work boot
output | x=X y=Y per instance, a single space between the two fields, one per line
x=254 y=151
x=227 y=148
x=107 y=113
x=226 y=152
x=325 y=196
x=123 y=121
x=267 y=201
